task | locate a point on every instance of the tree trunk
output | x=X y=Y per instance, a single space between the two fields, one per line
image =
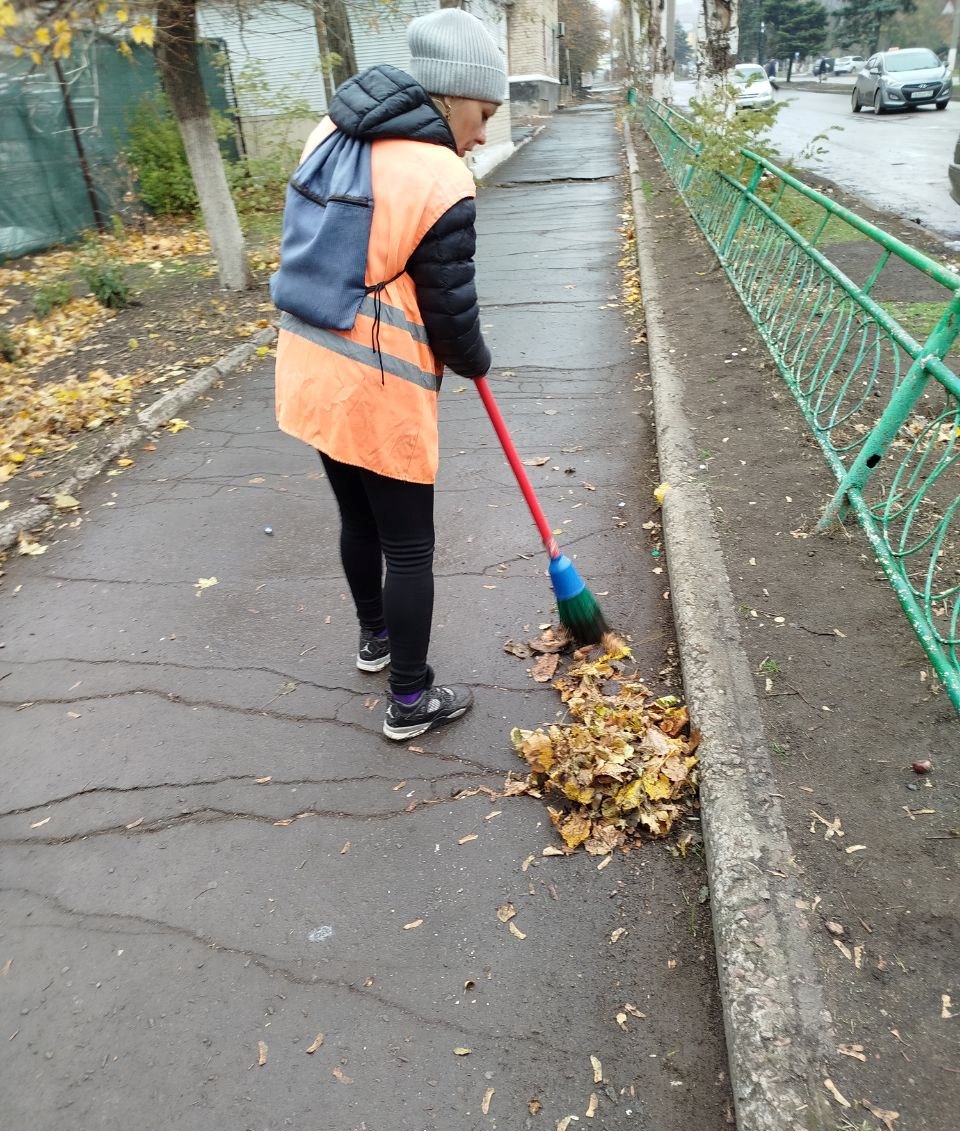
x=180 y=70
x=663 y=21
x=718 y=37
x=340 y=39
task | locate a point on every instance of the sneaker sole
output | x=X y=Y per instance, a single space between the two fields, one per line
x=373 y=665
x=398 y=734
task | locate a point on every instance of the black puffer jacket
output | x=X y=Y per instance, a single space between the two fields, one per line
x=385 y=102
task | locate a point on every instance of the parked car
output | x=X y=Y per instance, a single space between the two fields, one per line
x=902 y=79
x=753 y=89
x=848 y=64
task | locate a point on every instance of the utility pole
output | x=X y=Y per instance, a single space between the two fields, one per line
x=954 y=38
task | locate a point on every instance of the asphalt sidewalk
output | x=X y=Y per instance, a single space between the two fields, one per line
x=211 y=856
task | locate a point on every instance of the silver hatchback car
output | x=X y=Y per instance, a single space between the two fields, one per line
x=901 y=79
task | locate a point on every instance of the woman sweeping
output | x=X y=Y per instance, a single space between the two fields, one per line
x=361 y=351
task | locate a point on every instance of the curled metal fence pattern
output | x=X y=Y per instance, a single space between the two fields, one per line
x=879 y=398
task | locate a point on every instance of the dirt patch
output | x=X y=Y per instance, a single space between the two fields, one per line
x=848 y=698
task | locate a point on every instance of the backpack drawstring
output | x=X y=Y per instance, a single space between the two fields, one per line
x=377 y=291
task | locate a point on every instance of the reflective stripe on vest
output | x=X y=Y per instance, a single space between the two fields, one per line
x=367 y=355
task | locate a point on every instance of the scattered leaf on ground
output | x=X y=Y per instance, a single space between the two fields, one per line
x=597 y=1070
x=526 y=864
x=177 y=425
x=264 y=780
x=856 y=1051
x=466 y=839
x=545 y=668
x=885 y=1117
x=28 y=548
x=660 y=493
x=341 y=1076
x=505 y=912
x=622 y=1021
x=39 y=824
x=462 y=1052
x=317 y=1042
x=411 y=926
x=566 y=1121
x=65 y=502
x=946 y=1004
x=521 y=651
x=592 y=1106
x=204 y=583
x=262 y=1053
x=534 y=1106
x=487 y=1097
x=515 y=930
x=617 y=934
x=835 y=1092
x=345 y=849
x=537 y=461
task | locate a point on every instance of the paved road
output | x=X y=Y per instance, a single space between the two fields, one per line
x=896 y=162
x=157 y=922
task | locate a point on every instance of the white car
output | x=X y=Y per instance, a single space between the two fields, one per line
x=753 y=89
x=848 y=64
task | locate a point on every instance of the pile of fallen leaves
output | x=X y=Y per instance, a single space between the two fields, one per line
x=38 y=419
x=624 y=768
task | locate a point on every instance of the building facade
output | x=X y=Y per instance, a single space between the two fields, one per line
x=277 y=61
x=535 y=47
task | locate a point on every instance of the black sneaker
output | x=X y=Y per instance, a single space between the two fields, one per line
x=436 y=706
x=373 y=654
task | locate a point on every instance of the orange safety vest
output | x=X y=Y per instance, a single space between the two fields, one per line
x=330 y=389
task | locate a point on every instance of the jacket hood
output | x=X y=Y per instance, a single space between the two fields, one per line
x=385 y=102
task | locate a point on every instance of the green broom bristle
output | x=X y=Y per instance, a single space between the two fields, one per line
x=583 y=617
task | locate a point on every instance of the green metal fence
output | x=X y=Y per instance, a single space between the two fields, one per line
x=876 y=391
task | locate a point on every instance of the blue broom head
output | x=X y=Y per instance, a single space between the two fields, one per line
x=567 y=583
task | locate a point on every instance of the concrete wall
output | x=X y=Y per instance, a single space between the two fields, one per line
x=534 y=58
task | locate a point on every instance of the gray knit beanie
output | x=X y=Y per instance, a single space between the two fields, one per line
x=453 y=53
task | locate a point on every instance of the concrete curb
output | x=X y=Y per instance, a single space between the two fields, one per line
x=777 y=1026
x=148 y=420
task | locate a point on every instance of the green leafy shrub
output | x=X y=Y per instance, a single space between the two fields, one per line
x=9 y=350
x=55 y=293
x=106 y=280
x=155 y=150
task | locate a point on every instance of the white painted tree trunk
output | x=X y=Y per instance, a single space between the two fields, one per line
x=216 y=204
x=180 y=69
x=663 y=19
x=718 y=38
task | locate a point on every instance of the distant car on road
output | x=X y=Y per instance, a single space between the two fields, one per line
x=901 y=79
x=752 y=85
x=848 y=64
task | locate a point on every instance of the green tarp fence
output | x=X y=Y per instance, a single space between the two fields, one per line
x=44 y=198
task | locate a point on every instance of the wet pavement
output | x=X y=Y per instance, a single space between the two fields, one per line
x=896 y=162
x=211 y=856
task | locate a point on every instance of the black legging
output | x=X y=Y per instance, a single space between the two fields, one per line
x=388 y=518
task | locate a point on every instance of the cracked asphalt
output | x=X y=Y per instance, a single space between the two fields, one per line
x=163 y=911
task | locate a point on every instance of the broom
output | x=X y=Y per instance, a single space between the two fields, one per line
x=577 y=606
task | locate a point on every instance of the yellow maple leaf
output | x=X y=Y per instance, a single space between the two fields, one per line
x=142 y=34
x=42 y=36
x=124 y=48
x=177 y=425
x=121 y=15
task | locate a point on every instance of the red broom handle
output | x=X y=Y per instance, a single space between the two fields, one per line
x=500 y=427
